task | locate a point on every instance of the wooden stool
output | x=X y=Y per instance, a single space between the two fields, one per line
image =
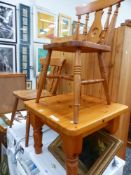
x=95 y=40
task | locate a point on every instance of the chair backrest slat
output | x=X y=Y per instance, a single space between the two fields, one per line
x=96 y=28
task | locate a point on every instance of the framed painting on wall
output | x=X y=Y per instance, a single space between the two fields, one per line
x=64 y=25
x=8 y=29
x=7 y=58
x=45 y=25
x=25 y=60
x=74 y=25
x=24 y=24
x=39 y=52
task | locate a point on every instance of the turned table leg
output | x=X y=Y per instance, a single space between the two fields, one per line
x=72 y=147
x=37 y=132
x=27 y=129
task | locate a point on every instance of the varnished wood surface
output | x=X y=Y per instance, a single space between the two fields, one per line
x=58 y=114
x=30 y=94
x=72 y=46
x=11 y=75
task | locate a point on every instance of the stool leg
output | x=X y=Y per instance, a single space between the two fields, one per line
x=37 y=132
x=104 y=76
x=27 y=130
x=43 y=74
x=14 y=111
x=77 y=85
x=72 y=147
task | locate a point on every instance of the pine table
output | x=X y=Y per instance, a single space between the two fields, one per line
x=57 y=113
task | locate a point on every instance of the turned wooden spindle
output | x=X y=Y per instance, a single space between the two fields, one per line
x=85 y=31
x=110 y=32
x=77 y=28
x=106 y=27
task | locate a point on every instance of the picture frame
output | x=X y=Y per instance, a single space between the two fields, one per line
x=24 y=24
x=45 y=25
x=4 y=167
x=28 y=85
x=64 y=25
x=74 y=25
x=8 y=25
x=39 y=52
x=7 y=58
x=97 y=152
x=25 y=59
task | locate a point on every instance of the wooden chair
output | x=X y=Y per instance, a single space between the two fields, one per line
x=97 y=39
x=56 y=66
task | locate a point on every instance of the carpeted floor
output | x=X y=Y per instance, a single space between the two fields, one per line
x=127 y=169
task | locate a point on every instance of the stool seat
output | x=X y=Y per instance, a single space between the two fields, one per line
x=30 y=94
x=74 y=45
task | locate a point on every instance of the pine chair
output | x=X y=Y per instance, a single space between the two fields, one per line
x=97 y=39
x=56 y=67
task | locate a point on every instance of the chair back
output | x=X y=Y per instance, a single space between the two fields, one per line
x=54 y=73
x=98 y=33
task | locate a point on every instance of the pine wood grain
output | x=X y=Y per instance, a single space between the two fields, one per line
x=57 y=112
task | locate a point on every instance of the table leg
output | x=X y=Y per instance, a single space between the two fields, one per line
x=27 y=130
x=37 y=128
x=72 y=147
x=113 y=125
x=14 y=111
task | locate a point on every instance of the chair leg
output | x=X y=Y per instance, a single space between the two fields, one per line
x=27 y=130
x=104 y=76
x=77 y=85
x=43 y=73
x=14 y=111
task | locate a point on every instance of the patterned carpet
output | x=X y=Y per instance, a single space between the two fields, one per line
x=127 y=169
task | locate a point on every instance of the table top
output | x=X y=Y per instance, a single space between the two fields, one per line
x=57 y=112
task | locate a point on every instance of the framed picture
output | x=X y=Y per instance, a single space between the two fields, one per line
x=45 y=25
x=8 y=29
x=4 y=168
x=25 y=60
x=24 y=24
x=74 y=25
x=39 y=52
x=7 y=58
x=64 y=25
x=97 y=152
x=28 y=84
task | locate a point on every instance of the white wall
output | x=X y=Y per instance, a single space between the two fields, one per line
x=66 y=7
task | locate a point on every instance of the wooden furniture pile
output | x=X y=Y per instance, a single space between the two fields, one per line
x=118 y=68
x=61 y=112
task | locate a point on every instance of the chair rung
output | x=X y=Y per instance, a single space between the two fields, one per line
x=84 y=82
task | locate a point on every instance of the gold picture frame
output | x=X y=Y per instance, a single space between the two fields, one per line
x=64 y=25
x=98 y=151
x=45 y=25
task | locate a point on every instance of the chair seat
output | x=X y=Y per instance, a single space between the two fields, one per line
x=30 y=94
x=72 y=46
